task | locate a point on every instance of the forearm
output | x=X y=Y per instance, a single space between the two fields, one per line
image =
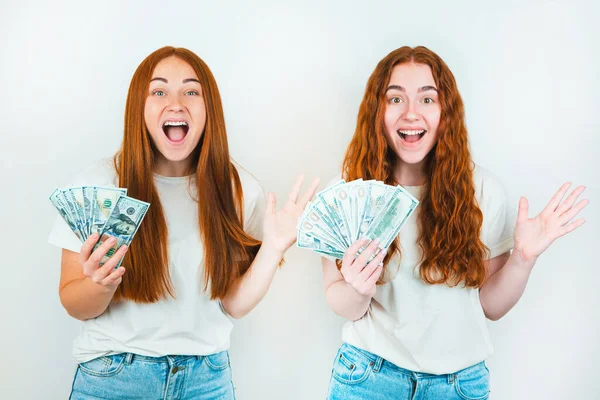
x=250 y=289
x=504 y=289
x=83 y=299
x=346 y=302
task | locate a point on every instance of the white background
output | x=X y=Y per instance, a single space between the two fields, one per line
x=291 y=77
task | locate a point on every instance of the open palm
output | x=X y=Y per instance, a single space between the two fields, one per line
x=534 y=235
x=280 y=227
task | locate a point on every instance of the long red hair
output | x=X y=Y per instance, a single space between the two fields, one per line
x=228 y=250
x=449 y=218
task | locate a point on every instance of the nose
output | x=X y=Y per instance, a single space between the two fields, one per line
x=174 y=104
x=410 y=112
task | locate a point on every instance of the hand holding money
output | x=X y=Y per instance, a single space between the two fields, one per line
x=360 y=273
x=104 y=215
x=108 y=274
x=346 y=212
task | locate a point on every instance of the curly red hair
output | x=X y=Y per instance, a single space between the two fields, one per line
x=449 y=218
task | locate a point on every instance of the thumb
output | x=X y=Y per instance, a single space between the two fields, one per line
x=271 y=203
x=522 y=215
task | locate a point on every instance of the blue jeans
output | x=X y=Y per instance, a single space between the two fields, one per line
x=130 y=376
x=358 y=374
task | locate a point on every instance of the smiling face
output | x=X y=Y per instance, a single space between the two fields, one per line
x=412 y=114
x=175 y=115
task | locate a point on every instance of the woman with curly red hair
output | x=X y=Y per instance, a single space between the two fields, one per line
x=418 y=309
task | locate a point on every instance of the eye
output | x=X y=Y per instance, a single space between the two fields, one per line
x=428 y=100
x=191 y=93
x=159 y=93
x=396 y=100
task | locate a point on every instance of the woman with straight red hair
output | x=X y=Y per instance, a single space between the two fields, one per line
x=417 y=311
x=207 y=250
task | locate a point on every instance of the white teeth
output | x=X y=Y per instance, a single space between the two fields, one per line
x=411 y=132
x=175 y=123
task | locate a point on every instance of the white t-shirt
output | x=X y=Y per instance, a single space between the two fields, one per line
x=191 y=324
x=427 y=328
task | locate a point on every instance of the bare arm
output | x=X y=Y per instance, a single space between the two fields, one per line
x=508 y=273
x=85 y=288
x=279 y=234
x=507 y=279
x=250 y=289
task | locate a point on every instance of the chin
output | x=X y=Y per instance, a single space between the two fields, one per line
x=175 y=157
x=411 y=158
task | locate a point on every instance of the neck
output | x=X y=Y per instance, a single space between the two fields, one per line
x=169 y=168
x=409 y=174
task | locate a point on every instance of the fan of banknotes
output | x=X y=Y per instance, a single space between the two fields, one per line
x=347 y=211
x=103 y=210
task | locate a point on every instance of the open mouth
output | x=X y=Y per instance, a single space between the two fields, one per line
x=175 y=131
x=411 y=135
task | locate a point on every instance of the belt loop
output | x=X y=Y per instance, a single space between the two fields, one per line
x=128 y=358
x=170 y=361
x=377 y=364
x=451 y=378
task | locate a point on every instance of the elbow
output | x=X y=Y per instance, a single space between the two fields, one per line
x=73 y=312
x=76 y=313
x=492 y=316
x=355 y=316
x=236 y=314
x=487 y=309
x=349 y=314
x=232 y=311
x=70 y=310
x=77 y=316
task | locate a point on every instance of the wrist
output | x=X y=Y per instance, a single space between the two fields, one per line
x=103 y=289
x=522 y=260
x=270 y=249
x=360 y=297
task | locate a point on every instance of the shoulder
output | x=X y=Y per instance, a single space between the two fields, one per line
x=101 y=172
x=251 y=188
x=493 y=199
x=499 y=215
x=489 y=189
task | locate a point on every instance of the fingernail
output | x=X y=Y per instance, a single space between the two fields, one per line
x=377 y=241
x=112 y=239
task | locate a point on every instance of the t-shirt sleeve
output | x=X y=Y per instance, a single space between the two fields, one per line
x=254 y=205
x=499 y=218
x=62 y=236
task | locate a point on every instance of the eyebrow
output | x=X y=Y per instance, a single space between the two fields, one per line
x=400 y=88
x=166 y=81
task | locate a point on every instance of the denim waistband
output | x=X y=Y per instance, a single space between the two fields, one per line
x=171 y=360
x=379 y=362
